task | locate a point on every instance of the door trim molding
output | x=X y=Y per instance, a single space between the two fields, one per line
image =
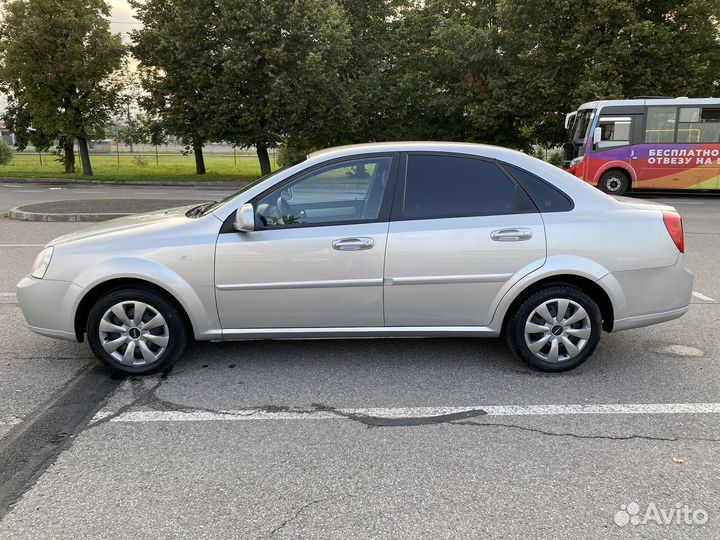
x=318 y=284
x=442 y=280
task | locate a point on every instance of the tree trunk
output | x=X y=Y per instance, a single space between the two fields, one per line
x=85 y=156
x=199 y=159
x=69 y=154
x=264 y=158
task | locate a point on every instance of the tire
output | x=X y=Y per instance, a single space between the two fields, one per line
x=156 y=340
x=548 y=349
x=614 y=182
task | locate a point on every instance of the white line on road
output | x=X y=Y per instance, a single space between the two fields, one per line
x=10 y=421
x=6 y=294
x=668 y=201
x=702 y=296
x=30 y=190
x=410 y=412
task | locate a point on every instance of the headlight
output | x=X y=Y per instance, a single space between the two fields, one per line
x=576 y=161
x=41 y=263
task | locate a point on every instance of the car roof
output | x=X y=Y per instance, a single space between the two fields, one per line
x=415 y=146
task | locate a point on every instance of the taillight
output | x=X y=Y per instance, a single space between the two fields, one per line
x=674 y=226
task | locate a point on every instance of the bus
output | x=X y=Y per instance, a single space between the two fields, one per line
x=648 y=143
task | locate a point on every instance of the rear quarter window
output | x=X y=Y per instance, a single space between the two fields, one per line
x=546 y=197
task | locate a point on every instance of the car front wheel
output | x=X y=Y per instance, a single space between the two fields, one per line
x=555 y=329
x=135 y=331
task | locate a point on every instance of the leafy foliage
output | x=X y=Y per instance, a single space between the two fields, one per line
x=6 y=152
x=55 y=58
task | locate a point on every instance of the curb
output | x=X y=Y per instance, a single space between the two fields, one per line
x=77 y=181
x=23 y=215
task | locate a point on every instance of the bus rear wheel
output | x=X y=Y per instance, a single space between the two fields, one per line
x=614 y=182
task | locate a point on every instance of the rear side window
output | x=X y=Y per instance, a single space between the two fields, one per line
x=454 y=186
x=545 y=196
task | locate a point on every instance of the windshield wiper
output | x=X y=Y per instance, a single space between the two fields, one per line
x=198 y=210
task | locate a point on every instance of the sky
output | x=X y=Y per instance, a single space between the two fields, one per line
x=121 y=17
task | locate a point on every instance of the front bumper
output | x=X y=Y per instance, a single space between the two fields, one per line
x=49 y=306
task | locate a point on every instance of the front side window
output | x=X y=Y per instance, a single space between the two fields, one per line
x=699 y=125
x=453 y=186
x=660 y=125
x=615 y=131
x=582 y=123
x=347 y=191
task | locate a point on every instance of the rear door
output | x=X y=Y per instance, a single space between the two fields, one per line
x=460 y=230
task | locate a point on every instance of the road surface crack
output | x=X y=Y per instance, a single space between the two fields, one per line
x=292 y=518
x=578 y=436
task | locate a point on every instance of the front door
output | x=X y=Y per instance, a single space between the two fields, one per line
x=316 y=256
x=460 y=230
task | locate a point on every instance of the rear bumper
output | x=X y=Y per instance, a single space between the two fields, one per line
x=651 y=295
x=48 y=306
x=647 y=320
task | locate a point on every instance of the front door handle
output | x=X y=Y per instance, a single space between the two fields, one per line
x=353 y=244
x=511 y=235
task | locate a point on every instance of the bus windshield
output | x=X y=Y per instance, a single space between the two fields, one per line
x=582 y=121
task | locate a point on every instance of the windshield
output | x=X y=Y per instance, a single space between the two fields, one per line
x=581 y=124
x=217 y=204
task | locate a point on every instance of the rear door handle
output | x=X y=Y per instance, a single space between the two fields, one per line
x=511 y=235
x=353 y=244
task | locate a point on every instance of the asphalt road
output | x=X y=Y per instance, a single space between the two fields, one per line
x=363 y=439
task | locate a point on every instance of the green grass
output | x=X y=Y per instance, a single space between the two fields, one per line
x=176 y=168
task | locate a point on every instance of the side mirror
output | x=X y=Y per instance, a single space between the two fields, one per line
x=597 y=136
x=245 y=218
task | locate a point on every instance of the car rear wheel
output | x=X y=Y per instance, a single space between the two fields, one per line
x=614 y=182
x=136 y=331
x=555 y=329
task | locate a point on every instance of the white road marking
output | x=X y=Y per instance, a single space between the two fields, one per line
x=702 y=296
x=9 y=421
x=681 y=202
x=30 y=190
x=6 y=294
x=20 y=245
x=410 y=412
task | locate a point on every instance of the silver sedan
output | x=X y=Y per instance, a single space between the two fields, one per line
x=379 y=240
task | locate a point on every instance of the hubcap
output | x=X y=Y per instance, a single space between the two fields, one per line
x=557 y=330
x=613 y=184
x=134 y=333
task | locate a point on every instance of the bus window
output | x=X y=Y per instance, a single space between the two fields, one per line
x=696 y=125
x=581 y=124
x=660 y=126
x=615 y=131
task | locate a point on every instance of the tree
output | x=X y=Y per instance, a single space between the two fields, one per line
x=558 y=54
x=55 y=58
x=179 y=65
x=282 y=73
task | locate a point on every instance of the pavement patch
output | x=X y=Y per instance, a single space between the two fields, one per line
x=28 y=449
